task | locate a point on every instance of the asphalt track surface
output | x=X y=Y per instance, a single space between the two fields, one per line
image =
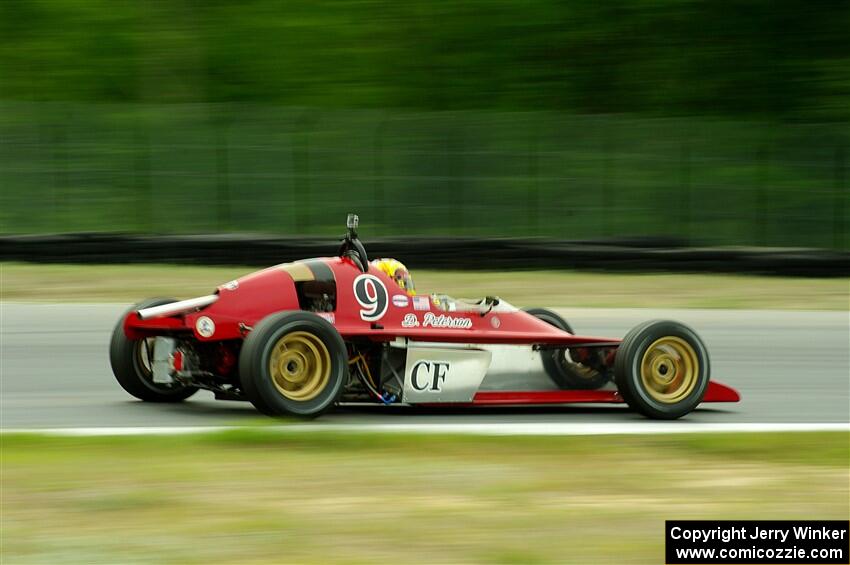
x=790 y=367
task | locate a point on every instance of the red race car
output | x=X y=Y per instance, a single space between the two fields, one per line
x=298 y=338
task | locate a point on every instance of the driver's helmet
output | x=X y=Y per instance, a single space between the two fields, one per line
x=397 y=272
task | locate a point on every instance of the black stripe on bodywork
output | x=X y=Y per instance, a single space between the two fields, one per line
x=320 y=270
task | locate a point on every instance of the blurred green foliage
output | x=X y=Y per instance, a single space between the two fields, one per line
x=712 y=122
x=737 y=57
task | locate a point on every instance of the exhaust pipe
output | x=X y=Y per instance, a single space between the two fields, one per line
x=176 y=307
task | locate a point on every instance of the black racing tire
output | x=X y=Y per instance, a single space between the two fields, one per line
x=314 y=343
x=647 y=354
x=565 y=373
x=130 y=372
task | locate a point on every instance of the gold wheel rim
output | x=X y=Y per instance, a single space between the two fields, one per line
x=300 y=366
x=669 y=369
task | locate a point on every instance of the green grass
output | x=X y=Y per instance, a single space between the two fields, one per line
x=259 y=496
x=131 y=283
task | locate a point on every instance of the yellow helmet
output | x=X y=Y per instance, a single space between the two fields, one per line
x=397 y=272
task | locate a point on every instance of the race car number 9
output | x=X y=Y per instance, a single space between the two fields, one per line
x=372 y=296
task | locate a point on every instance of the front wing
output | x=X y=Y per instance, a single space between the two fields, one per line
x=716 y=392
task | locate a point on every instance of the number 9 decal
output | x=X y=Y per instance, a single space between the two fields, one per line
x=372 y=296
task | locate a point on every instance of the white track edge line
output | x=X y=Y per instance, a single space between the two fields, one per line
x=494 y=429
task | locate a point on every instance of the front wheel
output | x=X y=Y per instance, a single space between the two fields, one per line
x=661 y=369
x=293 y=363
x=132 y=361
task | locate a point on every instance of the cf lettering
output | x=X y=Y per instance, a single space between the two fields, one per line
x=427 y=375
x=440 y=370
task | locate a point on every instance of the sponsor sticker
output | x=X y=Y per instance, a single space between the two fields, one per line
x=495 y=322
x=400 y=300
x=205 y=326
x=422 y=303
x=329 y=316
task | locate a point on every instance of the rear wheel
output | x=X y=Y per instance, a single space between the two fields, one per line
x=662 y=369
x=293 y=363
x=564 y=366
x=131 y=361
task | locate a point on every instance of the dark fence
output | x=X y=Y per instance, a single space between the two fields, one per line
x=646 y=254
x=206 y=168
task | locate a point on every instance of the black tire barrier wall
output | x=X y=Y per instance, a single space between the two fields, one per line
x=635 y=255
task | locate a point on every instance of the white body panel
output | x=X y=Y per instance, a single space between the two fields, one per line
x=443 y=373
